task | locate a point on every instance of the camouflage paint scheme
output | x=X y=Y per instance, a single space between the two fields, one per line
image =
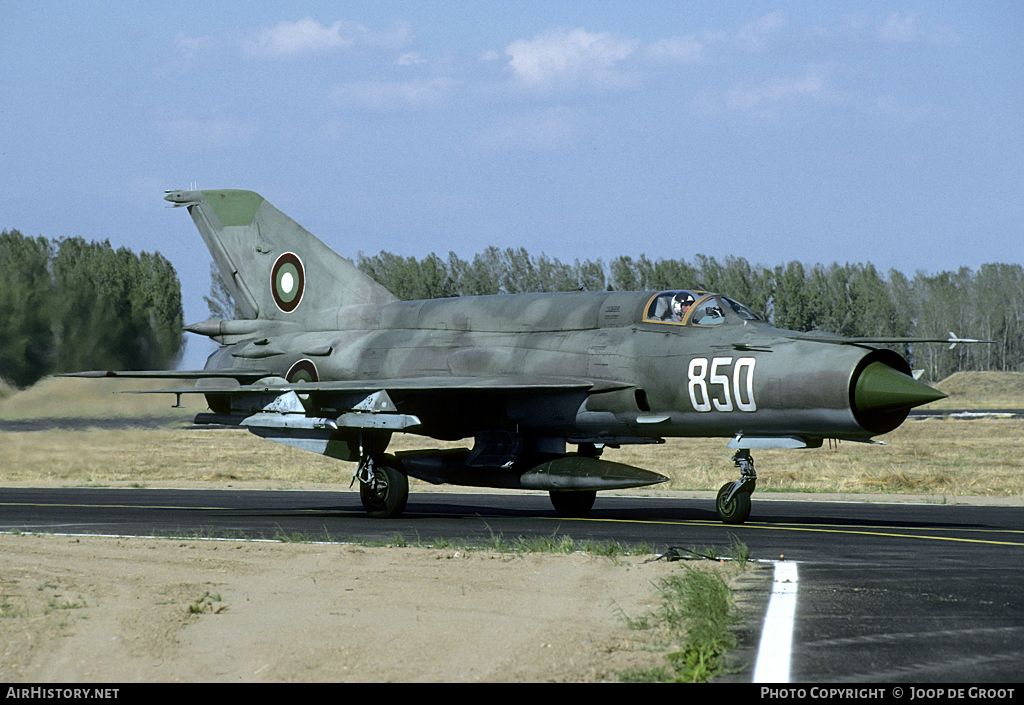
x=327 y=360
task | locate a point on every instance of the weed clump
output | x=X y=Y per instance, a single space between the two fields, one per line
x=696 y=611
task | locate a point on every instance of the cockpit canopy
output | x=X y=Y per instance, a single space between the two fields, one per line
x=695 y=308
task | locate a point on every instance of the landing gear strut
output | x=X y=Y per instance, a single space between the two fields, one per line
x=383 y=487
x=733 y=501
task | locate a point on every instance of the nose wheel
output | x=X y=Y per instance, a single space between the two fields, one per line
x=733 y=501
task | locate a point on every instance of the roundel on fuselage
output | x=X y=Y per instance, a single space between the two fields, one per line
x=303 y=371
x=288 y=281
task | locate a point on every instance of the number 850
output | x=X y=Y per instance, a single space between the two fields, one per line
x=703 y=374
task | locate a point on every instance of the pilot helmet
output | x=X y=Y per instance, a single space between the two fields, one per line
x=681 y=303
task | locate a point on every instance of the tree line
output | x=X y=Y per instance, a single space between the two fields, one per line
x=848 y=299
x=70 y=305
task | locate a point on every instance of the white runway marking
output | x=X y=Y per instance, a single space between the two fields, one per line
x=773 y=654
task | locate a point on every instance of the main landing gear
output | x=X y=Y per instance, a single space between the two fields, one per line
x=572 y=504
x=383 y=487
x=733 y=501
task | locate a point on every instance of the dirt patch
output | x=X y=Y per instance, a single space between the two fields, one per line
x=92 y=609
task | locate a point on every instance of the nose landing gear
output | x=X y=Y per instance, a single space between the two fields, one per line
x=733 y=501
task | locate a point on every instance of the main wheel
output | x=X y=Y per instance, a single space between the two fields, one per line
x=572 y=504
x=389 y=494
x=735 y=511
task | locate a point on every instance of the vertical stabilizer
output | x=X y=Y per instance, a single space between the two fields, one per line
x=274 y=267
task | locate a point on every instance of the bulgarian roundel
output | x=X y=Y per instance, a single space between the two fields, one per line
x=288 y=280
x=303 y=371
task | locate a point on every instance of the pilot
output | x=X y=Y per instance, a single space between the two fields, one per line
x=681 y=303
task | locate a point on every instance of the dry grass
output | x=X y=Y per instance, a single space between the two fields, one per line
x=981 y=390
x=6 y=389
x=142 y=456
x=67 y=397
x=937 y=456
x=922 y=457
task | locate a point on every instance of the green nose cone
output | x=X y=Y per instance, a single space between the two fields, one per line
x=881 y=388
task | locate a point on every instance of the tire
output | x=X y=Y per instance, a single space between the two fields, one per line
x=388 y=499
x=572 y=504
x=736 y=511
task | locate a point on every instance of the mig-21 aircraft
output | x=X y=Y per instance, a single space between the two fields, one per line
x=327 y=360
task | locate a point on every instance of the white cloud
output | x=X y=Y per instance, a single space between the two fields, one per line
x=561 y=58
x=898 y=111
x=682 y=50
x=410 y=58
x=287 y=40
x=302 y=37
x=216 y=132
x=755 y=36
x=306 y=36
x=776 y=90
x=899 y=29
x=394 y=95
x=766 y=97
x=190 y=49
x=905 y=29
x=547 y=129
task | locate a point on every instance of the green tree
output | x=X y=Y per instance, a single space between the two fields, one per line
x=519 y=275
x=73 y=305
x=847 y=299
x=673 y=274
x=221 y=302
x=114 y=309
x=623 y=275
x=26 y=304
x=940 y=310
x=997 y=306
x=159 y=312
x=590 y=275
x=791 y=306
x=485 y=273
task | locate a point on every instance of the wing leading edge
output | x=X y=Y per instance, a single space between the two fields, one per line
x=264 y=382
x=239 y=375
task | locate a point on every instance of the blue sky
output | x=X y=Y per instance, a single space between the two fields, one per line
x=883 y=132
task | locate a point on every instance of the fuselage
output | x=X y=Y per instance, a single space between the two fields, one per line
x=721 y=371
x=327 y=360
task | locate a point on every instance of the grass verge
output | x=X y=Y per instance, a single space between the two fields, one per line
x=553 y=543
x=694 y=620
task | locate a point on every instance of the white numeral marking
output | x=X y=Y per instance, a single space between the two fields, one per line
x=742 y=386
x=697 y=382
x=744 y=363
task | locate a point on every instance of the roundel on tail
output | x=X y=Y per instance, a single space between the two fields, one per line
x=288 y=281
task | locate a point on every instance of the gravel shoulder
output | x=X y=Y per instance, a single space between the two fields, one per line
x=95 y=609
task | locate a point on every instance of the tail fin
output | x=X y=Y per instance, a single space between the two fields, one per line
x=274 y=267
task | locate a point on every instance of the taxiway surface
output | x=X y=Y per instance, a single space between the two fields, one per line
x=888 y=592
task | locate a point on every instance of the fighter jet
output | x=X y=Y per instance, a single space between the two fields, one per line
x=539 y=385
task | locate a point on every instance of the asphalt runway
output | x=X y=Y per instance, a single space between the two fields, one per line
x=911 y=593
